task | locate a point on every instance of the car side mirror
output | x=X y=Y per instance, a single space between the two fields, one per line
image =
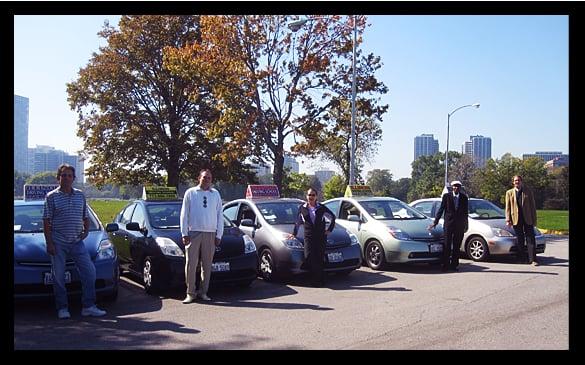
x=133 y=226
x=353 y=218
x=247 y=223
x=112 y=227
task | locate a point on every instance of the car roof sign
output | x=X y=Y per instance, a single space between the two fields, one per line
x=262 y=191
x=357 y=190
x=159 y=193
x=38 y=191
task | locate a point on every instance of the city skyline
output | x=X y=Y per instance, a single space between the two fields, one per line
x=516 y=67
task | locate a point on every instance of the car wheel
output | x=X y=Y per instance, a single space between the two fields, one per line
x=266 y=268
x=149 y=277
x=375 y=255
x=477 y=249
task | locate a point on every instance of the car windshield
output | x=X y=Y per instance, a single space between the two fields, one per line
x=279 y=212
x=484 y=209
x=29 y=219
x=390 y=210
x=164 y=215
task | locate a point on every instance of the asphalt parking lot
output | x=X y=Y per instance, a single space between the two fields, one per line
x=496 y=304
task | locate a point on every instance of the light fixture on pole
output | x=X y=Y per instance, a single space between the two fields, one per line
x=476 y=105
x=295 y=26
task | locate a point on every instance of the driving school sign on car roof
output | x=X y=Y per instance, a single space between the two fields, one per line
x=262 y=191
x=38 y=191
x=358 y=190
x=159 y=193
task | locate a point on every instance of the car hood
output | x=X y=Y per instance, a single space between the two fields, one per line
x=416 y=229
x=231 y=243
x=339 y=236
x=31 y=247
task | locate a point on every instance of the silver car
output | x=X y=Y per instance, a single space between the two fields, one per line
x=388 y=230
x=270 y=221
x=487 y=234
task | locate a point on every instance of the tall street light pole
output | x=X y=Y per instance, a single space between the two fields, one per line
x=476 y=105
x=295 y=26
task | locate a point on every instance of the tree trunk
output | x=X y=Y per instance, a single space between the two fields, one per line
x=277 y=173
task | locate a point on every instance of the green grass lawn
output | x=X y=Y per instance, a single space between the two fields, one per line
x=106 y=209
x=557 y=220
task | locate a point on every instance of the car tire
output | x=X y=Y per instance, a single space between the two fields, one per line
x=374 y=255
x=150 y=278
x=477 y=249
x=266 y=265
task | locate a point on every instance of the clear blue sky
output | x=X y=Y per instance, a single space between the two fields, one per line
x=516 y=67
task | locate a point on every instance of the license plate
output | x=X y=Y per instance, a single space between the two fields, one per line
x=48 y=278
x=334 y=257
x=436 y=247
x=220 y=266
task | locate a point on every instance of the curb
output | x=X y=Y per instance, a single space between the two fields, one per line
x=553 y=231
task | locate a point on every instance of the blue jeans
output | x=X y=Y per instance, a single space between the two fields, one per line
x=85 y=267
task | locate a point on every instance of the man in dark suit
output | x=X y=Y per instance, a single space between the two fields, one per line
x=455 y=206
x=314 y=218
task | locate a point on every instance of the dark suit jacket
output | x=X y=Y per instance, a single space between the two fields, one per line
x=454 y=218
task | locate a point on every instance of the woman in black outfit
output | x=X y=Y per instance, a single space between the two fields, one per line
x=312 y=215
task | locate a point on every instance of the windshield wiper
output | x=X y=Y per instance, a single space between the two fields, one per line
x=29 y=231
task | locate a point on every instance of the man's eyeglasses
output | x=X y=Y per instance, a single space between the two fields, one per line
x=204 y=202
x=66 y=175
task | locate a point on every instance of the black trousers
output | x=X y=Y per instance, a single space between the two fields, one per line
x=314 y=255
x=525 y=234
x=453 y=238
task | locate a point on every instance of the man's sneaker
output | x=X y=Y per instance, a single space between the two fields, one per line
x=204 y=297
x=189 y=299
x=93 y=311
x=534 y=263
x=63 y=313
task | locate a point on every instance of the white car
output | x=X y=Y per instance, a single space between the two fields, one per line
x=487 y=234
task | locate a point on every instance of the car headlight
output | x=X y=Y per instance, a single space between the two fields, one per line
x=105 y=250
x=291 y=242
x=353 y=238
x=169 y=247
x=537 y=232
x=399 y=234
x=499 y=232
x=249 y=245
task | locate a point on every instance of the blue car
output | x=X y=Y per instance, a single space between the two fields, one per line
x=32 y=264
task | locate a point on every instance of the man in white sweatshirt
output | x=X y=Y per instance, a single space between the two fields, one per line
x=201 y=228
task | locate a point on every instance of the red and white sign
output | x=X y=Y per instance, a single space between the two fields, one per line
x=262 y=191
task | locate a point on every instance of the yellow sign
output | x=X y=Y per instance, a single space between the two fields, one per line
x=159 y=193
x=358 y=190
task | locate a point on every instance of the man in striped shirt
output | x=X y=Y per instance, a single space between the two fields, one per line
x=66 y=225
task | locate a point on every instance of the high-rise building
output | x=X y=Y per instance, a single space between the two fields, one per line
x=324 y=176
x=479 y=148
x=425 y=145
x=467 y=149
x=261 y=170
x=47 y=158
x=20 y=133
x=291 y=163
x=546 y=156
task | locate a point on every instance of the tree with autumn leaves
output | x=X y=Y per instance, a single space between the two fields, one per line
x=172 y=94
x=143 y=124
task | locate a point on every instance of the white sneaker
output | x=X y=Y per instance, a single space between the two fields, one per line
x=93 y=311
x=204 y=297
x=63 y=313
x=189 y=299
